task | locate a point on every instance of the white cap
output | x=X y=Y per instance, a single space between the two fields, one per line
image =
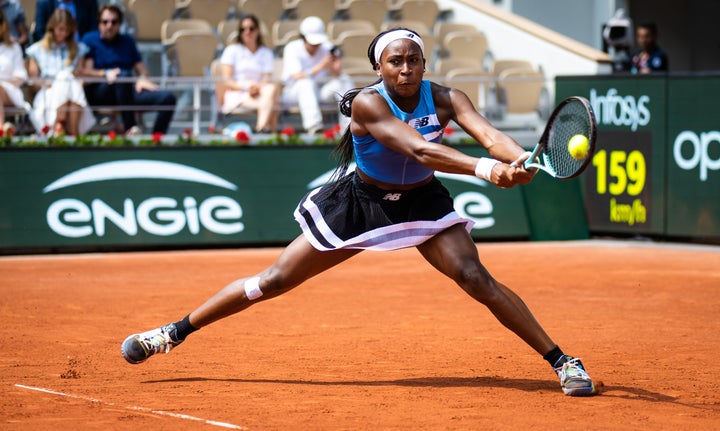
x=312 y=29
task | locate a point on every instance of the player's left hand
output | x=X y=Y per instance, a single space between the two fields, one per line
x=509 y=175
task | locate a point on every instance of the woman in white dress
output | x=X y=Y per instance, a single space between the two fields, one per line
x=12 y=73
x=247 y=68
x=60 y=101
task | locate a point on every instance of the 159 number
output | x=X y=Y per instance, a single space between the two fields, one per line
x=627 y=172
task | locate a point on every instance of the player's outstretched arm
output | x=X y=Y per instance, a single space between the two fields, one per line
x=459 y=108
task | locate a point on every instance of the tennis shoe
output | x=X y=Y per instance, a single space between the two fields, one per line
x=574 y=380
x=138 y=348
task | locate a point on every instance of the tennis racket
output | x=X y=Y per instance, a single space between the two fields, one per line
x=573 y=116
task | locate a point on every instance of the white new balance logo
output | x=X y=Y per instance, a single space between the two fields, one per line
x=392 y=197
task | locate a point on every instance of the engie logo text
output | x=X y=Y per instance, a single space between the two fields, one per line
x=133 y=212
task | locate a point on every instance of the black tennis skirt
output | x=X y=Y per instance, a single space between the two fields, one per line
x=357 y=215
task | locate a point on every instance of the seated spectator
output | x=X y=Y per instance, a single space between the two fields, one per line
x=60 y=101
x=115 y=56
x=312 y=74
x=247 y=68
x=85 y=13
x=649 y=58
x=15 y=16
x=12 y=73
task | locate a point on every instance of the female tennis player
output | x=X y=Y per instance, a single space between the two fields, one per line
x=392 y=200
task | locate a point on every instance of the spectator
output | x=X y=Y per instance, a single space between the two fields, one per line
x=115 y=57
x=312 y=74
x=649 y=58
x=85 y=13
x=247 y=67
x=15 y=17
x=12 y=72
x=57 y=58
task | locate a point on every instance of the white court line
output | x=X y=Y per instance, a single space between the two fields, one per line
x=135 y=408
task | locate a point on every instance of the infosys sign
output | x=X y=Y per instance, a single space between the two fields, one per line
x=131 y=213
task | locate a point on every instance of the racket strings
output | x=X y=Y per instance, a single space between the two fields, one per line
x=573 y=119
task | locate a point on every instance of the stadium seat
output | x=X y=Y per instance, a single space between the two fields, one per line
x=169 y=27
x=498 y=66
x=336 y=28
x=425 y=11
x=191 y=51
x=443 y=66
x=226 y=28
x=354 y=44
x=266 y=11
x=474 y=82
x=212 y=11
x=374 y=11
x=148 y=16
x=470 y=45
x=442 y=28
x=283 y=32
x=418 y=26
x=520 y=90
x=324 y=9
x=359 y=70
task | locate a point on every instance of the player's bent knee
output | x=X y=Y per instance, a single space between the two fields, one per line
x=477 y=283
x=266 y=285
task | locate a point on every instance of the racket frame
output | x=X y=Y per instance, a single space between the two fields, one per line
x=542 y=143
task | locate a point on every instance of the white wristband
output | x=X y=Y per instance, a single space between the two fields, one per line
x=484 y=168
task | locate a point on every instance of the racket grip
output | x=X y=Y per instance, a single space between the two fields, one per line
x=528 y=160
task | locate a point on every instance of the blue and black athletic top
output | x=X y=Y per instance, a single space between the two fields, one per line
x=384 y=164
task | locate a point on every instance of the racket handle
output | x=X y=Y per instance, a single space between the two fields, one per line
x=515 y=163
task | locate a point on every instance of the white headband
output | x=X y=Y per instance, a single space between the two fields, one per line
x=394 y=35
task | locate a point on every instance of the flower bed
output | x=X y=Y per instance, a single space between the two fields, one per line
x=287 y=136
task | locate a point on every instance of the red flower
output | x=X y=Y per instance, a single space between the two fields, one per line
x=449 y=131
x=2 y=133
x=211 y=129
x=328 y=134
x=10 y=131
x=157 y=137
x=288 y=131
x=112 y=134
x=45 y=130
x=337 y=128
x=187 y=132
x=242 y=137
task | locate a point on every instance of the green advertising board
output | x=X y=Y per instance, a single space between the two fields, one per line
x=144 y=197
x=624 y=186
x=693 y=174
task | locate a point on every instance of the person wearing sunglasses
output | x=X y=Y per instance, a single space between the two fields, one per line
x=246 y=68
x=112 y=58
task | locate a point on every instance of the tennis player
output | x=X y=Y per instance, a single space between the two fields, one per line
x=392 y=200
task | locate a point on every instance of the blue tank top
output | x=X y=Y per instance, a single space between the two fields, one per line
x=384 y=164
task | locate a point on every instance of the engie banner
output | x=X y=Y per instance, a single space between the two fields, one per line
x=72 y=197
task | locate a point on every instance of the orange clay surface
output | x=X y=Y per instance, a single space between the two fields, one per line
x=381 y=342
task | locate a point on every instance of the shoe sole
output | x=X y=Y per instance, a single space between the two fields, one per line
x=581 y=392
x=125 y=347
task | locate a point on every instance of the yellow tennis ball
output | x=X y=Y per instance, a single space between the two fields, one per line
x=578 y=146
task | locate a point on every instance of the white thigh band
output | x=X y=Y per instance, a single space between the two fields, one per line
x=252 y=288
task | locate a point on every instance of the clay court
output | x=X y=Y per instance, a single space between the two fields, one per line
x=380 y=342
